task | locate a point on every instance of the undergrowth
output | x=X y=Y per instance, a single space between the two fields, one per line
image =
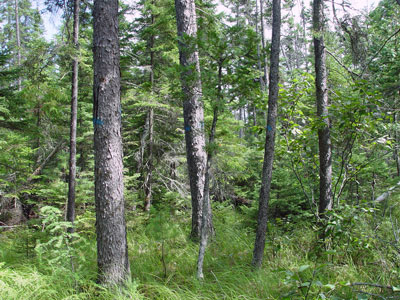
x=39 y=261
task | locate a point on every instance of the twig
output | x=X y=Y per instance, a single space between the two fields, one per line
x=372 y=284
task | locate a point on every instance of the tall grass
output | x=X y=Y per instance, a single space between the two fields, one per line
x=163 y=261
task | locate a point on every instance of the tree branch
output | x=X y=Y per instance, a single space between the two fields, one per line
x=342 y=65
x=44 y=163
x=387 y=193
x=380 y=49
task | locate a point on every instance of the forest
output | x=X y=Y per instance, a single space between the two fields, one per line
x=200 y=149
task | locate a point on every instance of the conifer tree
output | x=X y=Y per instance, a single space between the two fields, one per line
x=112 y=248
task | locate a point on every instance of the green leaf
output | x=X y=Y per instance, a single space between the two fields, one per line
x=331 y=286
x=396 y=289
x=303 y=268
x=305 y=284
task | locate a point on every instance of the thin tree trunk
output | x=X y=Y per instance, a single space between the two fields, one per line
x=396 y=145
x=38 y=125
x=73 y=124
x=148 y=188
x=112 y=248
x=270 y=137
x=263 y=43
x=241 y=118
x=192 y=107
x=18 y=40
x=207 y=214
x=324 y=140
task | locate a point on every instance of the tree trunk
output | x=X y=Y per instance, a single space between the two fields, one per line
x=324 y=140
x=192 y=107
x=148 y=188
x=18 y=40
x=112 y=249
x=73 y=124
x=207 y=214
x=396 y=146
x=263 y=43
x=270 y=137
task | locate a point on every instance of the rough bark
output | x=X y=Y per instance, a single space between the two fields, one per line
x=112 y=249
x=270 y=137
x=73 y=123
x=192 y=107
x=17 y=30
x=324 y=140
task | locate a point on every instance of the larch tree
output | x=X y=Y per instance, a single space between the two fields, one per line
x=324 y=140
x=192 y=110
x=112 y=249
x=270 y=137
x=73 y=123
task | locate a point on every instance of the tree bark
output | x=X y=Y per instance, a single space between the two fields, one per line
x=207 y=214
x=396 y=145
x=270 y=137
x=324 y=140
x=192 y=107
x=148 y=183
x=73 y=124
x=148 y=188
x=112 y=249
x=18 y=40
x=263 y=43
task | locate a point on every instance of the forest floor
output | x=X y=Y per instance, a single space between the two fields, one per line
x=358 y=261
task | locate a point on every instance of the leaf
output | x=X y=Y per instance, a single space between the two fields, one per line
x=303 y=268
x=396 y=289
x=319 y=283
x=331 y=286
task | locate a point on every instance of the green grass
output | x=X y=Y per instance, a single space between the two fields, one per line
x=163 y=262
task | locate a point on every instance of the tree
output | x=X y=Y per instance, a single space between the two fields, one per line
x=270 y=137
x=324 y=140
x=17 y=32
x=74 y=112
x=192 y=108
x=112 y=249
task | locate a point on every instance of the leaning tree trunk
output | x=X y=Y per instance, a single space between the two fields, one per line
x=270 y=137
x=192 y=107
x=74 y=113
x=324 y=140
x=112 y=249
